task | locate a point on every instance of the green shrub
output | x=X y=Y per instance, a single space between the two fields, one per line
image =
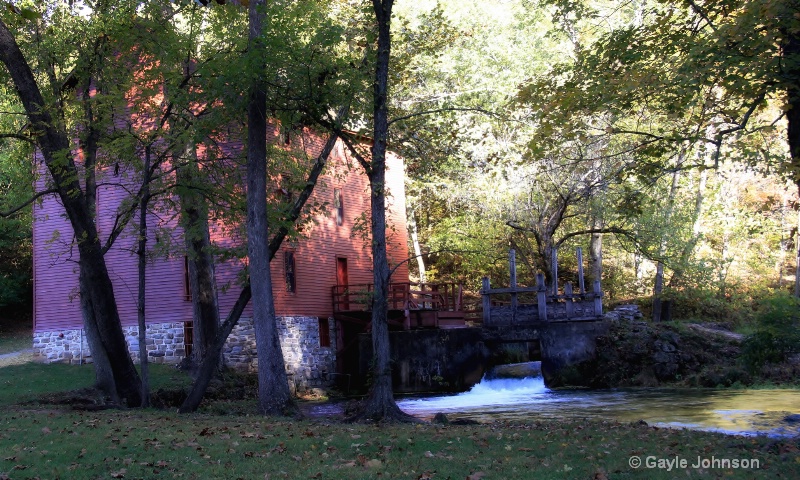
x=776 y=335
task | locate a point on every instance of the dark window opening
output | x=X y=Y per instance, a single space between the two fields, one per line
x=187 y=287
x=338 y=204
x=289 y=271
x=188 y=338
x=324 y=332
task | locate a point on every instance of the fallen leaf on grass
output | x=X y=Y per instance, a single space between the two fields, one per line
x=429 y=454
x=374 y=463
x=120 y=474
x=476 y=476
x=46 y=430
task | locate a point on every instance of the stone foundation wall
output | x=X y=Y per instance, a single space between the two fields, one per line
x=307 y=363
x=165 y=344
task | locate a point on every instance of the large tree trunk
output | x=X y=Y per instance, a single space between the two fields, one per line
x=380 y=404
x=202 y=284
x=273 y=386
x=103 y=326
x=106 y=326
x=103 y=373
x=791 y=52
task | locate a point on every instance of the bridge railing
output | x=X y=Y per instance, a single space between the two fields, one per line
x=549 y=305
x=447 y=297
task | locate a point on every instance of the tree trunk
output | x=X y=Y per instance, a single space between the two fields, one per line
x=412 y=228
x=202 y=283
x=103 y=373
x=106 y=326
x=103 y=326
x=596 y=252
x=273 y=386
x=797 y=259
x=791 y=52
x=658 y=283
x=380 y=404
x=688 y=248
x=144 y=369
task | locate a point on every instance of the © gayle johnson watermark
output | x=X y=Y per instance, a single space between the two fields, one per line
x=672 y=463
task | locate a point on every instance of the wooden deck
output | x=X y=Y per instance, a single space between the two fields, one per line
x=411 y=305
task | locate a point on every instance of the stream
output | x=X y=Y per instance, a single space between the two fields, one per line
x=742 y=412
x=773 y=412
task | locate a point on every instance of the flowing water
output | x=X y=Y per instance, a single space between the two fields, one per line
x=749 y=412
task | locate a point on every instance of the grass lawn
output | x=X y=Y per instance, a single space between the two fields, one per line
x=46 y=441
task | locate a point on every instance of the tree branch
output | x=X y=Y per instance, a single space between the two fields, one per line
x=18 y=136
x=616 y=230
x=445 y=109
x=27 y=202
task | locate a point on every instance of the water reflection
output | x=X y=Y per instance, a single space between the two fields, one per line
x=728 y=411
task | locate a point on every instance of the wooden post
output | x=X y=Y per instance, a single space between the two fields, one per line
x=407 y=306
x=487 y=303
x=512 y=267
x=554 y=269
x=568 y=302
x=581 y=285
x=541 y=297
x=598 y=299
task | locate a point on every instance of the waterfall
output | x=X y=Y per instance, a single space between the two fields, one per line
x=496 y=388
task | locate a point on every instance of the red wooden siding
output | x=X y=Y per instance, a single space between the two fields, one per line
x=57 y=305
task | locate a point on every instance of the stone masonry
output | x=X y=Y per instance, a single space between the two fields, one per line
x=308 y=364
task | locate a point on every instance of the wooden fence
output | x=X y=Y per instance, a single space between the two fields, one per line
x=549 y=304
x=401 y=296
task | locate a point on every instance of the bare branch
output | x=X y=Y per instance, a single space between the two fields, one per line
x=18 y=136
x=616 y=230
x=702 y=14
x=446 y=109
x=350 y=146
x=27 y=202
x=740 y=126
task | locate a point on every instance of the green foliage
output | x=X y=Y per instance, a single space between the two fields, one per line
x=777 y=334
x=16 y=187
